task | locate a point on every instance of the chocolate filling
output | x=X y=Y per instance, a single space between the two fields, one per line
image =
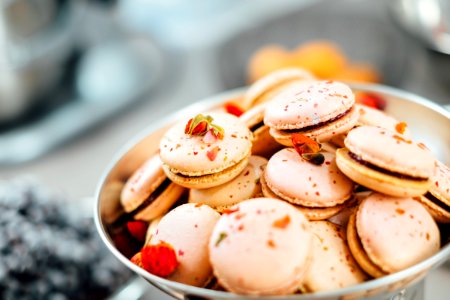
x=124 y=218
x=256 y=126
x=376 y=168
x=307 y=128
x=438 y=202
x=161 y=188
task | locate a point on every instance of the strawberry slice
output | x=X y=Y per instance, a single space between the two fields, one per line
x=160 y=259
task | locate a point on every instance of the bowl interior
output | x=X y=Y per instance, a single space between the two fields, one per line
x=427 y=121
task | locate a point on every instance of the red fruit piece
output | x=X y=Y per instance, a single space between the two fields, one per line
x=370 y=99
x=137 y=229
x=160 y=259
x=304 y=144
x=234 y=109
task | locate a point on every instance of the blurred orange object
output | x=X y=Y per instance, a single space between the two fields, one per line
x=359 y=73
x=324 y=59
x=266 y=60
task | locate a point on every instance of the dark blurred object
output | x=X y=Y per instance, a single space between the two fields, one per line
x=428 y=20
x=111 y=69
x=49 y=250
x=362 y=29
x=36 y=39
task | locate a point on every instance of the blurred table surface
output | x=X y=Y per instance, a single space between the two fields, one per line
x=75 y=168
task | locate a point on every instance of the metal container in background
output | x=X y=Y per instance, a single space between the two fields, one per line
x=36 y=38
x=428 y=121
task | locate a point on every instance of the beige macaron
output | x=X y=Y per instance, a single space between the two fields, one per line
x=270 y=85
x=388 y=234
x=437 y=200
x=148 y=193
x=196 y=161
x=245 y=186
x=386 y=162
x=263 y=143
x=332 y=265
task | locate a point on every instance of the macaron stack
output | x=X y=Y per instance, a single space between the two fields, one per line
x=257 y=205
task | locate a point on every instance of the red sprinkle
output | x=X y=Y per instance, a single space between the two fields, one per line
x=282 y=223
x=229 y=211
x=233 y=109
x=212 y=153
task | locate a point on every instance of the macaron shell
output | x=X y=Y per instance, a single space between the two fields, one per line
x=308 y=103
x=207 y=181
x=323 y=133
x=379 y=181
x=266 y=87
x=332 y=265
x=188 y=155
x=311 y=213
x=263 y=143
x=142 y=183
x=439 y=214
x=162 y=203
x=396 y=233
x=440 y=183
x=245 y=186
x=358 y=251
x=187 y=229
x=390 y=151
x=375 y=117
x=300 y=182
x=261 y=236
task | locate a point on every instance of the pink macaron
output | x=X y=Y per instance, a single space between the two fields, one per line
x=317 y=109
x=261 y=247
x=188 y=228
x=386 y=162
x=294 y=179
x=389 y=234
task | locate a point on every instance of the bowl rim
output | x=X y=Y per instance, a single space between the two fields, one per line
x=165 y=284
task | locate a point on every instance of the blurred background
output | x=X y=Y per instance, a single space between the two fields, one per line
x=78 y=79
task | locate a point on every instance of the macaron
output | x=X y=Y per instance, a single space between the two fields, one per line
x=263 y=143
x=205 y=150
x=188 y=228
x=332 y=264
x=261 y=247
x=148 y=193
x=300 y=182
x=388 y=234
x=386 y=162
x=317 y=109
x=270 y=85
x=437 y=199
x=375 y=117
x=245 y=186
